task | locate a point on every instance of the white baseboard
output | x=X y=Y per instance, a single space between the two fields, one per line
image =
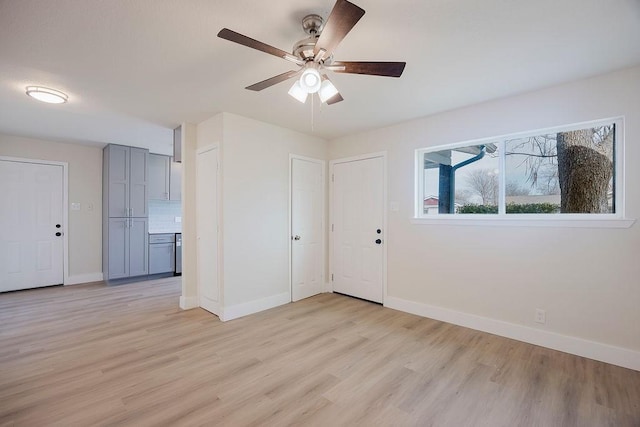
x=244 y=309
x=187 y=303
x=209 y=305
x=590 y=349
x=83 y=278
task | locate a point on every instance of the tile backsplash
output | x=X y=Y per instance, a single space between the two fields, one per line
x=162 y=216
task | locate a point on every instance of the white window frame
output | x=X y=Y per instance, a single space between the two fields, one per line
x=613 y=220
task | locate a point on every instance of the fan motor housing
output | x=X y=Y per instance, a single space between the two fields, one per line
x=303 y=49
x=312 y=25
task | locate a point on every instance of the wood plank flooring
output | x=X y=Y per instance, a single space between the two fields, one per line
x=127 y=355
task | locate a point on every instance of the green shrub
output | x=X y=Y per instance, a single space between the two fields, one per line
x=516 y=208
x=532 y=208
x=478 y=209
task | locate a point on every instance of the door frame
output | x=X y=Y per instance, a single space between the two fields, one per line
x=65 y=206
x=326 y=286
x=332 y=163
x=219 y=306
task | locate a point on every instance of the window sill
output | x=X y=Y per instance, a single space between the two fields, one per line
x=516 y=220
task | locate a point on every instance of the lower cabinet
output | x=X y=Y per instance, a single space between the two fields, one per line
x=161 y=253
x=126 y=251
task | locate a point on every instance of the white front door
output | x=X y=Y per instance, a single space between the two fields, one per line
x=307 y=225
x=31 y=213
x=207 y=228
x=358 y=228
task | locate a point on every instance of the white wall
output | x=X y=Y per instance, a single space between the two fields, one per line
x=85 y=187
x=255 y=207
x=190 y=136
x=587 y=280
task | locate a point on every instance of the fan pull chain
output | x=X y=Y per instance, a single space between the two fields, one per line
x=312 y=102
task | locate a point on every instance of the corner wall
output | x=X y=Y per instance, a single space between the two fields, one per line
x=85 y=187
x=189 y=297
x=493 y=278
x=254 y=224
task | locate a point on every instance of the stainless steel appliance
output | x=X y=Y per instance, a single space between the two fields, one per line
x=178 y=252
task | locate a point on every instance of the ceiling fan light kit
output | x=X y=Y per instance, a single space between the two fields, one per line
x=310 y=79
x=327 y=90
x=314 y=55
x=298 y=92
x=44 y=94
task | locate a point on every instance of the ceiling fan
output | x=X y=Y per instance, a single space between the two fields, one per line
x=314 y=55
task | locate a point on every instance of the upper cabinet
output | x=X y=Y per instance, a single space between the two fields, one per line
x=177 y=144
x=159 y=177
x=175 y=181
x=165 y=178
x=125 y=189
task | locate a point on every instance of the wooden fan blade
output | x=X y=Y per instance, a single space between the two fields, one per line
x=341 y=20
x=385 y=69
x=273 y=80
x=335 y=98
x=232 y=36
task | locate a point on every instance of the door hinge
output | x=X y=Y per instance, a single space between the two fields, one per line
x=331 y=227
x=333 y=179
x=332 y=277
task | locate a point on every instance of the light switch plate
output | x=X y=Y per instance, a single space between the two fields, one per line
x=75 y=206
x=177 y=219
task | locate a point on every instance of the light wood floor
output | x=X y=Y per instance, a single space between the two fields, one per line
x=127 y=355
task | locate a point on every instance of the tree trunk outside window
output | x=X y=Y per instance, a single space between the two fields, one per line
x=584 y=171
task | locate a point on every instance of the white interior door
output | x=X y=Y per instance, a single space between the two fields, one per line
x=307 y=225
x=31 y=213
x=207 y=228
x=358 y=228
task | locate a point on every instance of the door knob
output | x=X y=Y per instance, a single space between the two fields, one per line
x=378 y=241
x=378 y=231
x=296 y=237
x=58 y=225
x=58 y=234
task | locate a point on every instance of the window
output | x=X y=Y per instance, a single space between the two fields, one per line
x=567 y=172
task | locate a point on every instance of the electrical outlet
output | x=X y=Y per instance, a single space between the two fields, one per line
x=540 y=316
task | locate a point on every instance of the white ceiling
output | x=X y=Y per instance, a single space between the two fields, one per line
x=135 y=69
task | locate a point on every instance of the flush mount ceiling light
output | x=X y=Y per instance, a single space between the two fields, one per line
x=45 y=94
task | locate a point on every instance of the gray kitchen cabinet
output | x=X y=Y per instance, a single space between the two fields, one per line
x=125 y=173
x=165 y=178
x=118 y=249
x=127 y=248
x=139 y=197
x=125 y=251
x=138 y=247
x=161 y=253
x=175 y=183
x=159 y=172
